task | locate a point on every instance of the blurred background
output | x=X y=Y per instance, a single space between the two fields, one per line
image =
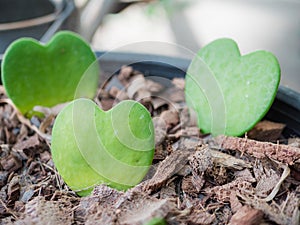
x=180 y=26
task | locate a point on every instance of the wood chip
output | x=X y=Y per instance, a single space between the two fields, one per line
x=136 y=83
x=13 y=191
x=170 y=117
x=201 y=217
x=160 y=128
x=125 y=73
x=188 y=187
x=109 y=206
x=3 y=178
x=142 y=209
x=279 y=152
x=31 y=142
x=266 y=131
x=153 y=87
x=246 y=216
x=179 y=83
x=166 y=169
x=229 y=161
x=275 y=212
x=11 y=163
x=40 y=211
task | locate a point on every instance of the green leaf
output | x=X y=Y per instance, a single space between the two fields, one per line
x=229 y=92
x=46 y=75
x=90 y=146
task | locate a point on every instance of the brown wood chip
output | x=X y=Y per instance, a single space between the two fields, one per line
x=201 y=217
x=170 y=117
x=266 y=131
x=247 y=216
x=41 y=211
x=282 y=153
x=29 y=143
x=11 y=163
x=166 y=169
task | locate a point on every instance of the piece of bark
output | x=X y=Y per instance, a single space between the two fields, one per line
x=275 y=212
x=173 y=94
x=153 y=87
x=168 y=192
x=3 y=178
x=143 y=96
x=201 y=160
x=187 y=143
x=295 y=142
x=188 y=187
x=166 y=169
x=267 y=177
x=246 y=216
x=31 y=142
x=125 y=73
x=136 y=83
x=107 y=103
x=11 y=163
x=223 y=193
x=282 y=153
x=229 y=161
x=41 y=211
x=171 y=118
x=45 y=156
x=13 y=191
x=109 y=206
x=186 y=132
x=179 y=83
x=141 y=209
x=244 y=174
x=201 y=217
x=114 y=83
x=158 y=102
x=98 y=208
x=235 y=204
x=160 y=128
x=266 y=131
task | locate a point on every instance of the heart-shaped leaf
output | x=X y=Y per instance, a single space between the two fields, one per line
x=46 y=75
x=229 y=92
x=90 y=146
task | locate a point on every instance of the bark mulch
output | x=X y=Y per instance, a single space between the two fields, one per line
x=194 y=179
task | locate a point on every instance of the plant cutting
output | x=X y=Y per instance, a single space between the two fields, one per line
x=229 y=92
x=90 y=146
x=34 y=74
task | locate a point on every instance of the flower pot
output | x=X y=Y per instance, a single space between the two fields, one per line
x=172 y=179
x=285 y=109
x=39 y=19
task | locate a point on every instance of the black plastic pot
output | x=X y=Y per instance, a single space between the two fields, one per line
x=285 y=109
x=39 y=19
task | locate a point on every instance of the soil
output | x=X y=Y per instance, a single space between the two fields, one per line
x=194 y=179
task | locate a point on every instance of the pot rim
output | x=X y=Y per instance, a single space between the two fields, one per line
x=58 y=8
x=285 y=108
